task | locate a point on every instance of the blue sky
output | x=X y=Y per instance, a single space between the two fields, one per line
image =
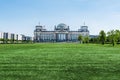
x=21 y=16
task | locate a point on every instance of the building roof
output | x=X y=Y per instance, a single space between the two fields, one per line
x=62 y=26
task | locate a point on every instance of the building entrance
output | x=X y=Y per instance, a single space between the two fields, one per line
x=61 y=37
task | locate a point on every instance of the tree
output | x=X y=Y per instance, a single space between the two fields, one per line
x=0 y=40
x=12 y=40
x=86 y=39
x=3 y=41
x=80 y=38
x=102 y=37
x=117 y=32
x=112 y=37
x=8 y=40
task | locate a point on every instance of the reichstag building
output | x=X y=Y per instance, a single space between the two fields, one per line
x=61 y=33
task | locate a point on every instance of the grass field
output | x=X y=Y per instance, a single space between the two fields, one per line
x=49 y=61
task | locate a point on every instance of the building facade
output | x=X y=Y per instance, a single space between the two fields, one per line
x=6 y=36
x=61 y=33
x=1 y=35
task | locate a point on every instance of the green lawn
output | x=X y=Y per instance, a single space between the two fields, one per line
x=50 y=61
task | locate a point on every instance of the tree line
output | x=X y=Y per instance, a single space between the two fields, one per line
x=111 y=37
x=12 y=41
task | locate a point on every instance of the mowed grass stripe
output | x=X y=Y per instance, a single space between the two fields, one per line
x=55 y=61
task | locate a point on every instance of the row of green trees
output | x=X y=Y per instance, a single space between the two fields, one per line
x=84 y=39
x=12 y=41
x=111 y=37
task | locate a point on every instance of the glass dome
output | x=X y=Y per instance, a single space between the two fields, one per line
x=62 y=26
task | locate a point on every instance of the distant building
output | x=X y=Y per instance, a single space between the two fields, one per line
x=20 y=37
x=14 y=37
x=5 y=35
x=61 y=33
x=24 y=38
x=94 y=36
x=1 y=35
